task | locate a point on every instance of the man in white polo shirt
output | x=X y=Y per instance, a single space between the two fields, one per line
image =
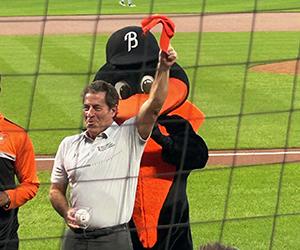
x=101 y=165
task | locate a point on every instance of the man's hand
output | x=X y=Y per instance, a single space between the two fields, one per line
x=70 y=218
x=3 y=199
x=166 y=60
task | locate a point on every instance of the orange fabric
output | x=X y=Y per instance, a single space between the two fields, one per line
x=190 y=112
x=155 y=180
x=176 y=96
x=167 y=31
x=156 y=176
x=16 y=142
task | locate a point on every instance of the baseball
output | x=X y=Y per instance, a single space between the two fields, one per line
x=82 y=216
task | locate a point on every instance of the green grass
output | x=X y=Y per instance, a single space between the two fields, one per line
x=40 y=226
x=65 y=7
x=49 y=107
x=222 y=86
x=252 y=203
x=249 y=219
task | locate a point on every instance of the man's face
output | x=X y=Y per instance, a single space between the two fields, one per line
x=96 y=113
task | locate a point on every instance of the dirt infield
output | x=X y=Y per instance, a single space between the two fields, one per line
x=226 y=157
x=290 y=67
x=89 y=24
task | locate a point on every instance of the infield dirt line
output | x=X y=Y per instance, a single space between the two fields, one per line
x=88 y=24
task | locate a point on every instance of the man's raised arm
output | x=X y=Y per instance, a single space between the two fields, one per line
x=149 y=111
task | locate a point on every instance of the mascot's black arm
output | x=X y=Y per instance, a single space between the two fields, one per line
x=183 y=148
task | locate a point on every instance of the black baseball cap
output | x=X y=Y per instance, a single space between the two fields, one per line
x=129 y=46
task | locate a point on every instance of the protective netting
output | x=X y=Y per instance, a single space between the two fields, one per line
x=252 y=202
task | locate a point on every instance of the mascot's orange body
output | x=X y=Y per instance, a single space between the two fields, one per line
x=161 y=213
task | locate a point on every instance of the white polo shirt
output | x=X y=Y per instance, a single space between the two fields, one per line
x=103 y=173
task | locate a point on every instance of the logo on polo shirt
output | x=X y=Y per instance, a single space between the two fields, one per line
x=106 y=146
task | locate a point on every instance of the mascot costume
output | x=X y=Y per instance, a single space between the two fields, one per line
x=160 y=218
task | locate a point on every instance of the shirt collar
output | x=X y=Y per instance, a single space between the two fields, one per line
x=106 y=133
x=110 y=130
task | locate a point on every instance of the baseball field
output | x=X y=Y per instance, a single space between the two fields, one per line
x=242 y=62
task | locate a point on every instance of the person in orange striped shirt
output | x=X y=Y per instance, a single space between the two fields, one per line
x=17 y=159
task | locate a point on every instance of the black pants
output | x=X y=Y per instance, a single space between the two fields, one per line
x=10 y=244
x=9 y=225
x=82 y=240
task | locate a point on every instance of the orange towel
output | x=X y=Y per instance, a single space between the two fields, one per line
x=167 y=31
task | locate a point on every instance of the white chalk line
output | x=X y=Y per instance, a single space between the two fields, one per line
x=44 y=159
x=223 y=154
x=255 y=153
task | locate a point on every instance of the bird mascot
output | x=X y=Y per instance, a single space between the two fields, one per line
x=160 y=218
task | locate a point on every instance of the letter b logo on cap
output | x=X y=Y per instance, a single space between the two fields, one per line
x=129 y=46
x=131 y=38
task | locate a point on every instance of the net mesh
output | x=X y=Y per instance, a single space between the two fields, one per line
x=252 y=202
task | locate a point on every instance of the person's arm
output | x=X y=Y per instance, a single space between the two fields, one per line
x=25 y=168
x=59 y=185
x=149 y=111
x=58 y=199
